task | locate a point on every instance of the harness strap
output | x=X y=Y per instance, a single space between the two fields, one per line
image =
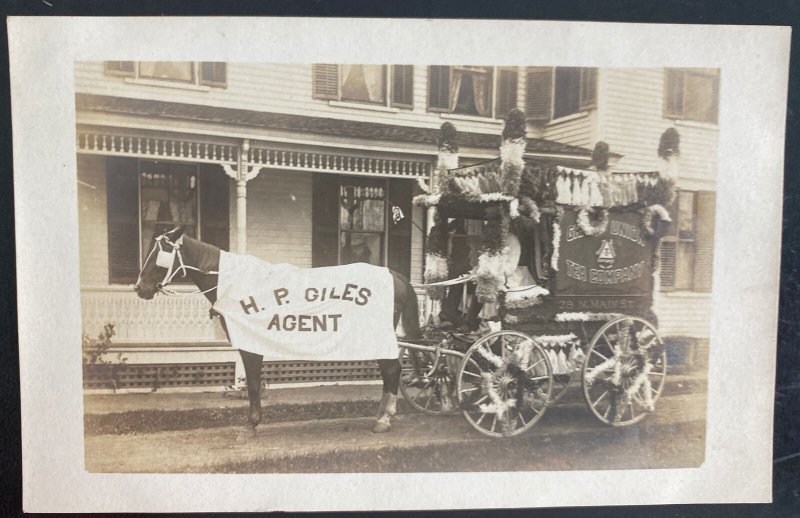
x=182 y=268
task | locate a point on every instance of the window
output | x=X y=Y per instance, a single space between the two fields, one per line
x=692 y=94
x=575 y=90
x=365 y=84
x=188 y=72
x=359 y=219
x=146 y=198
x=469 y=90
x=551 y=93
x=168 y=197
x=687 y=251
x=362 y=221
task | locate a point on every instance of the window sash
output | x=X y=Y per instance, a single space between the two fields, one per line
x=681 y=243
x=209 y=73
x=383 y=98
x=679 y=104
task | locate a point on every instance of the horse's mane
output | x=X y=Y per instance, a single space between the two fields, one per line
x=205 y=256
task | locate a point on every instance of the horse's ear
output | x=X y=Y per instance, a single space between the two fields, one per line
x=176 y=232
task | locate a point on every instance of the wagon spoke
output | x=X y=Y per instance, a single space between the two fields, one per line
x=494 y=422
x=537 y=378
x=534 y=365
x=524 y=423
x=600 y=355
x=468 y=373
x=602 y=396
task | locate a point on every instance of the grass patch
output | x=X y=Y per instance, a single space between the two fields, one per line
x=152 y=421
x=576 y=451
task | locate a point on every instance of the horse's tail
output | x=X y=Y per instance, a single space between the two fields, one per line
x=410 y=314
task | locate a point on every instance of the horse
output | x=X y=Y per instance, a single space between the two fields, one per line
x=173 y=253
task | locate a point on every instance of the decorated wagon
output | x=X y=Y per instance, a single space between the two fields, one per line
x=561 y=266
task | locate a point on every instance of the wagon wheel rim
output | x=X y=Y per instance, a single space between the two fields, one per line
x=624 y=371
x=502 y=390
x=435 y=390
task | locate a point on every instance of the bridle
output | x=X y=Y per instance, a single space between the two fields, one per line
x=166 y=260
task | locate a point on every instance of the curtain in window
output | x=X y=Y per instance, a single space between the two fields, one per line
x=363 y=83
x=474 y=99
x=455 y=87
x=176 y=70
x=480 y=93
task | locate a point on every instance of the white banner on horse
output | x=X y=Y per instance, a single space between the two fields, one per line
x=287 y=313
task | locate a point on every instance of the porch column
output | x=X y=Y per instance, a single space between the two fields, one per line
x=242 y=174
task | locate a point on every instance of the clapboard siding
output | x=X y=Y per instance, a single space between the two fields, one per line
x=279 y=217
x=577 y=131
x=92 y=220
x=684 y=315
x=633 y=118
x=417 y=243
x=282 y=88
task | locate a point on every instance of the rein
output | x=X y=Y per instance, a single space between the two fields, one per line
x=166 y=260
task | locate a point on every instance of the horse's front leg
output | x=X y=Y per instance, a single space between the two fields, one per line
x=252 y=368
x=390 y=372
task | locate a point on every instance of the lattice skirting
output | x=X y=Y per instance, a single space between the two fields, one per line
x=214 y=375
x=161 y=375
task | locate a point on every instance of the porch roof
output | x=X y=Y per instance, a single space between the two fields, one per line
x=306 y=124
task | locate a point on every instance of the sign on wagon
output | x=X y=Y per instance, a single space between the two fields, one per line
x=287 y=313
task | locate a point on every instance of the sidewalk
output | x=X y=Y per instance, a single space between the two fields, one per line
x=112 y=403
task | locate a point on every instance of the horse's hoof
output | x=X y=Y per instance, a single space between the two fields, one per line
x=381 y=428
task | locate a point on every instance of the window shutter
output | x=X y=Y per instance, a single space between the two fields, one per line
x=399 y=259
x=122 y=201
x=403 y=86
x=120 y=68
x=214 y=206
x=213 y=73
x=325 y=218
x=673 y=93
x=439 y=88
x=588 y=90
x=704 y=242
x=506 y=92
x=539 y=93
x=668 y=253
x=326 y=81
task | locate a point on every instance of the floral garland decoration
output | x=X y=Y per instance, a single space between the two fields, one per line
x=647 y=217
x=491 y=273
x=432 y=200
x=556 y=237
x=585 y=317
x=436 y=268
x=448 y=156
x=525 y=298
x=586 y=226
x=511 y=150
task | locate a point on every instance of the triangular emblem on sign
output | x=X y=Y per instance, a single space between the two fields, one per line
x=606 y=254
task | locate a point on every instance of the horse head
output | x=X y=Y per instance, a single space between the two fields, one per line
x=159 y=266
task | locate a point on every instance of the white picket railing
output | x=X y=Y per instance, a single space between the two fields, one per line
x=166 y=320
x=162 y=320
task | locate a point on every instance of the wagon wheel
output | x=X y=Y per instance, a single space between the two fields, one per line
x=504 y=383
x=624 y=371
x=428 y=384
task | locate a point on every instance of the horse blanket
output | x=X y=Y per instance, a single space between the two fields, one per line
x=323 y=314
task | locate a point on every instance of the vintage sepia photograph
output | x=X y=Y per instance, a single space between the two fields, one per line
x=361 y=268
x=292 y=264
